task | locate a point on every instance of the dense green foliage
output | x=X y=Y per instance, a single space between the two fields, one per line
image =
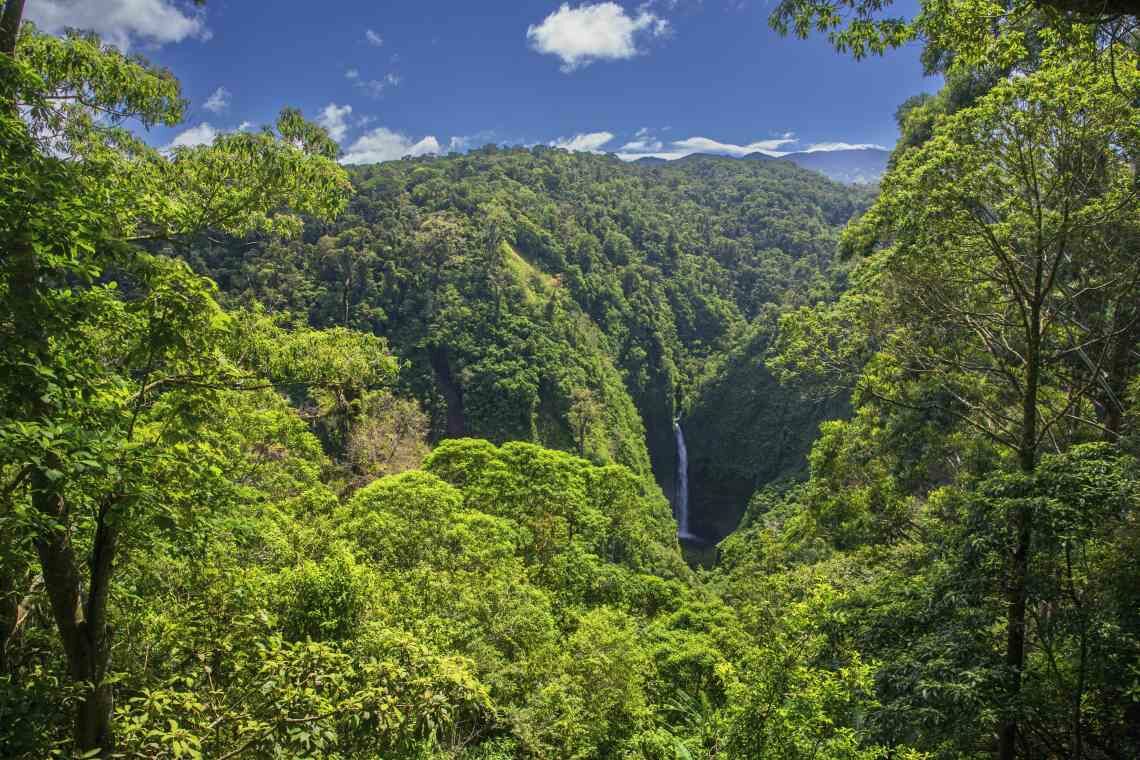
x=525 y=287
x=387 y=485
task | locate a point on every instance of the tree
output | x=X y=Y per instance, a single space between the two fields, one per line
x=389 y=437
x=999 y=281
x=584 y=413
x=968 y=33
x=87 y=361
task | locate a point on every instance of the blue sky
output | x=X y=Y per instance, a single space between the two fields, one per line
x=667 y=77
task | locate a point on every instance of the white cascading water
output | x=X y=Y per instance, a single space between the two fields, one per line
x=682 y=497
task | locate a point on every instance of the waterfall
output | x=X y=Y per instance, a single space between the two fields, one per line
x=681 y=500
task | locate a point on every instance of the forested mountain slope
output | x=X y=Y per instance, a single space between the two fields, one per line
x=572 y=299
x=857 y=165
x=854 y=165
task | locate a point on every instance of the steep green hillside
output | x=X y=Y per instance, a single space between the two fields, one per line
x=567 y=299
x=744 y=430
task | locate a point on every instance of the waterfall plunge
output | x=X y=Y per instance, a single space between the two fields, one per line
x=681 y=500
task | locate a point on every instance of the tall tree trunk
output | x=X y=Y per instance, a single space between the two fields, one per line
x=1022 y=529
x=10 y=25
x=9 y=615
x=1119 y=369
x=82 y=625
x=18 y=597
x=1015 y=628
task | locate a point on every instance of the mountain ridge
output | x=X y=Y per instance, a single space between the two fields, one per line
x=853 y=166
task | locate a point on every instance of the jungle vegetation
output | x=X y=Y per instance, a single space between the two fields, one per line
x=303 y=461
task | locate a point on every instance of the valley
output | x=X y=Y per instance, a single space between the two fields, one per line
x=509 y=281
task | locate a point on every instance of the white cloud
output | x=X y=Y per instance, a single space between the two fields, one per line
x=382 y=144
x=590 y=142
x=203 y=134
x=244 y=126
x=218 y=101
x=373 y=38
x=642 y=146
x=644 y=142
x=600 y=32
x=120 y=22
x=334 y=119
x=645 y=145
x=770 y=147
x=352 y=74
x=827 y=146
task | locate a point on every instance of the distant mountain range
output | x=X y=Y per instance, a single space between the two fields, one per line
x=855 y=166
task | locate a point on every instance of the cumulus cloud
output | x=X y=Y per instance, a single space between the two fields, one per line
x=599 y=32
x=826 y=146
x=202 y=134
x=120 y=22
x=589 y=142
x=352 y=74
x=373 y=38
x=218 y=101
x=382 y=144
x=334 y=119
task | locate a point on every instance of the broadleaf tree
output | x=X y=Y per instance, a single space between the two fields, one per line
x=98 y=324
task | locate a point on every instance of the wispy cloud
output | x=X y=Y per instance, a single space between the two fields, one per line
x=588 y=142
x=645 y=144
x=372 y=87
x=598 y=32
x=828 y=146
x=770 y=146
x=218 y=101
x=373 y=38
